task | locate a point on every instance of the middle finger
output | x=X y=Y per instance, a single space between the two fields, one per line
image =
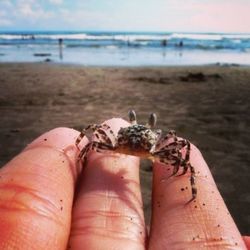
x=108 y=212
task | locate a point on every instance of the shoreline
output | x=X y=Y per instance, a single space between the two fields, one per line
x=207 y=104
x=79 y=65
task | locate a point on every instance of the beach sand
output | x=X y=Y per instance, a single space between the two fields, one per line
x=209 y=105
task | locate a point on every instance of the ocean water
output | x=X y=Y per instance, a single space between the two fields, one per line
x=125 y=48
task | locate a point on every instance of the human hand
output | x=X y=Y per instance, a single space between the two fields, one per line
x=48 y=202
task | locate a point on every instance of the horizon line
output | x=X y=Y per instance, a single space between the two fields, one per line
x=119 y=31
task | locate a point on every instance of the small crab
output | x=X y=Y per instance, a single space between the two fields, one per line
x=143 y=141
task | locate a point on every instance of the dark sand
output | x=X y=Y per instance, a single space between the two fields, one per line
x=209 y=105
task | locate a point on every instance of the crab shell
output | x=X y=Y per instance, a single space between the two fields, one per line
x=138 y=140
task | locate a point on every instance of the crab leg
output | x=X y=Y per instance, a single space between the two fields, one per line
x=192 y=181
x=83 y=133
x=84 y=152
x=100 y=145
x=166 y=157
x=104 y=138
x=103 y=143
x=176 y=145
x=170 y=134
x=96 y=146
x=186 y=162
x=176 y=165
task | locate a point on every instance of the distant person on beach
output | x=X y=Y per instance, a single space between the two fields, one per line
x=180 y=44
x=164 y=42
x=60 y=41
x=50 y=201
x=128 y=42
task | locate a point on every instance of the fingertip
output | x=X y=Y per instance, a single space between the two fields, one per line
x=57 y=138
x=116 y=124
x=61 y=139
x=37 y=189
x=204 y=221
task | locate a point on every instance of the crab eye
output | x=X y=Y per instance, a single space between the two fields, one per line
x=132 y=116
x=152 y=120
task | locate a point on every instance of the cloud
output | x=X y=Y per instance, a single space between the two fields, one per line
x=56 y=2
x=24 y=14
x=31 y=10
x=226 y=16
x=26 y=10
x=4 y=20
x=6 y=4
x=152 y=15
x=81 y=19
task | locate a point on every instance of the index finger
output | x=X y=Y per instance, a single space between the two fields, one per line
x=203 y=223
x=36 y=193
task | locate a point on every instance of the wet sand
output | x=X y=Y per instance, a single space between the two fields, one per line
x=209 y=105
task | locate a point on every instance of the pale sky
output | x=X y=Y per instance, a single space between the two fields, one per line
x=126 y=15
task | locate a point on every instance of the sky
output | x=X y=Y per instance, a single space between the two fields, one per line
x=126 y=15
